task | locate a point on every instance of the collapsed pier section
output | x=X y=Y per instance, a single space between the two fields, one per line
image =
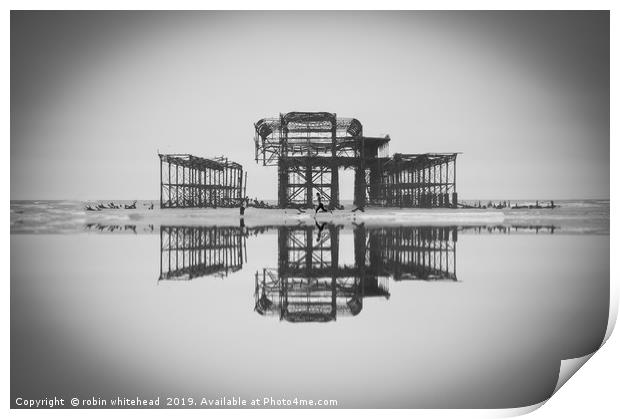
x=187 y=181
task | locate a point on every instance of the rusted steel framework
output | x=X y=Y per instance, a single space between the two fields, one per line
x=188 y=181
x=192 y=252
x=417 y=180
x=310 y=285
x=308 y=148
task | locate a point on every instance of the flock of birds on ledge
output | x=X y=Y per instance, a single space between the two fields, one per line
x=112 y=205
x=262 y=204
x=508 y=205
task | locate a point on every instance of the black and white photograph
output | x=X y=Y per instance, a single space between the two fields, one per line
x=307 y=209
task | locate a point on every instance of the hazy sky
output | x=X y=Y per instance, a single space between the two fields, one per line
x=94 y=95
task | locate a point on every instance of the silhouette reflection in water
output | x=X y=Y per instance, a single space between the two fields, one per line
x=118 y=228
x=310 y=285
x=513 y=228
x=192 y=252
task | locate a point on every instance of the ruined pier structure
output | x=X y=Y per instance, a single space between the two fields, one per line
x=188 y=181
x=310 y=147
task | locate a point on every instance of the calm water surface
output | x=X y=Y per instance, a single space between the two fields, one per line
x=372 y=316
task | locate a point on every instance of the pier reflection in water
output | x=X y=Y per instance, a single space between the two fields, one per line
x=310 y=283
x=498 y=306
x=193 y=252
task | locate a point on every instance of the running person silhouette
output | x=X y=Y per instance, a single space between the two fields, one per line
x=320 y=206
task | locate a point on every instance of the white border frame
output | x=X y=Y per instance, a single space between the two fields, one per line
x=591 y=393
